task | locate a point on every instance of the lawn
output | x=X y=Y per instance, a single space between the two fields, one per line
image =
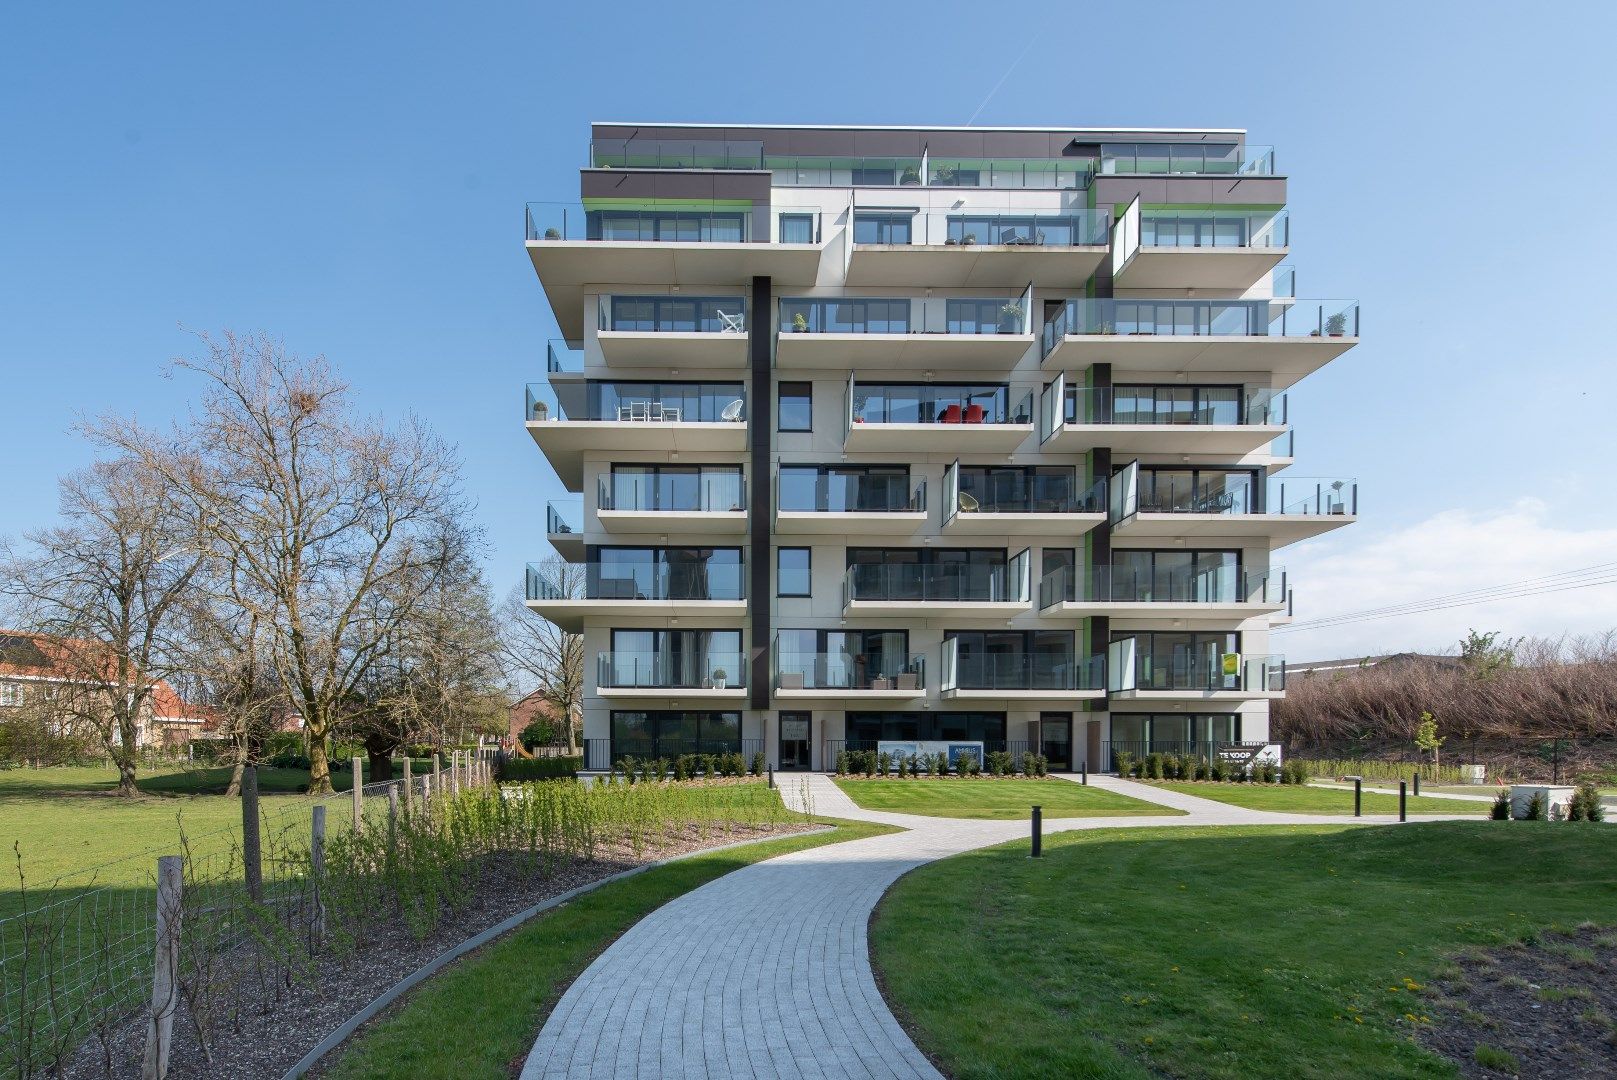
x=1198 y=952
x=1000 y=799
x=1301 y=799
x=480 y=1016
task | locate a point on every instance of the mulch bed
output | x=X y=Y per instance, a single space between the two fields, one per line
x=1551 y=1005
x=271 y=1035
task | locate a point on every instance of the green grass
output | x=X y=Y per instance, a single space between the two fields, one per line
x=1302 y=799
x=480 y=1016
x=1206 y=952
x=1000 y=799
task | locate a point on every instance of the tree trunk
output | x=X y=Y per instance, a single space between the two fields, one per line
x=123 y=755
x=381 y=765
x=567 y=726
x=319 y=764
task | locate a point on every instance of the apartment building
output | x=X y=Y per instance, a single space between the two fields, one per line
x=937 y=436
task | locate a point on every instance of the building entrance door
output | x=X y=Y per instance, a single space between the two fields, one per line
x=1055 y=739
x=794 y=740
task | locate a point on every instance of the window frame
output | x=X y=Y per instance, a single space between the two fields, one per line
x=780 y=400
x=808 y=572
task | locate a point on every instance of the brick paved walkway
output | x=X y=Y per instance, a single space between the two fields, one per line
x=765 y=972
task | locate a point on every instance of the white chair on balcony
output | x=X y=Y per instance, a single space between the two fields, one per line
x=639 y=410
x=732 y=412
x=732 y=324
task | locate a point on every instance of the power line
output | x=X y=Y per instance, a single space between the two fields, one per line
x=1598 y=568
x=1454 y=600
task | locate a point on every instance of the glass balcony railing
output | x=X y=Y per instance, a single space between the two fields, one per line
x=1215 y=228
x=672 y=314
x=980 y=670
x=818 y=170
x=970 y=316
x=1190 y=159
x=1283 y=282
x=963 y=582
x=938 y=403
x=952 y=225
x=1046 y=174
x=1202 y=318
x=685 y=574
x=672 y=489
x=1123 y=585
x=715 y=670
x=848 y=493
x=1231 y=494
x=563 y=516
x=1174 y=406
x=848 y=671
x=564 y=357
x=683 y=221
x=1199 y=671
x=676 y=154
x=997 y=492
x=633 y=402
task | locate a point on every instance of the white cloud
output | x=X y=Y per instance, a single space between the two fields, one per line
x=1451 y=552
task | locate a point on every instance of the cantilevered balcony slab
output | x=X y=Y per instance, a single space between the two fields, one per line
x=1284 y=360
x=1144 y=529
x=984 y=523
x=936 y=609
x=845 y=697
x=913 y=352
x=1187 y=613
x=672 y=349
x=956 y=266
x=673 y=522
x=1226 y=268
x=1191 y=696
x=565 y=442
x=850 y=523
x=1225 y=440
x=669 y=694
x=964 y=439
x=571 y=614
x=1046 y=696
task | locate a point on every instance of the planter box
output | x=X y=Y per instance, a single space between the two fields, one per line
x=909 y=681
x=791 y=680
x=1556 y=800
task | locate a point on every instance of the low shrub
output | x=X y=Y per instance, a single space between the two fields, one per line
x=940 y=764
x=884 y=763
x=758 y=764
x=842 y=763
x=1153 y=766
x=1041 y=765
x=1124 y=762
x=1586 y=803
x=1535 y=808
x=1501 y=806
x=1266 y=772
x=514 y=770
x=1216 y=770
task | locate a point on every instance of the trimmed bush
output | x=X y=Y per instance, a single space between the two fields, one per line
x=1501 y=806
x=520 y=770
x=1535 y=808
x=1124 y=762
x=884 y=763
x=1586 y=803
x=842 y=763
x=1153 y=766
x=758 y=764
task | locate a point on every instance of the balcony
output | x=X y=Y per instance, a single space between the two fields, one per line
x=1146 y=507
x=672 y=331
x=562 y=522
x=1134 y=675
x=653 y=589
x=697 y=501
x=932 y=590
x=958 y=333
x=850 y=504
x=1014 y=504
x=1208 y=248
x=1225 y=421
x=675 y=242
x=1286 y=340
x=1027 y=174
x=1186 y=159
x=564 y=360
x=846 y=677
x=960 y=242
x=658 y=675
x=1209 y=599
x=568 y=420
x=933 y=417
x=1019 y=676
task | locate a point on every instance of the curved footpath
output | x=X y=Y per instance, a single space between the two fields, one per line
x=765 y=972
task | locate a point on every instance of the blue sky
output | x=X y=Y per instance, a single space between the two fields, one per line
x=351 y=177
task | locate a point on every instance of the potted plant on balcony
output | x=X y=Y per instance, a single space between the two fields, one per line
x=719 y=677
x=1336 y=324
x=1108 y=329
x=943 y=174
x=799 y=323
x=1010 y=318
x=552 y=234
x=969 y=239
x=911 y=176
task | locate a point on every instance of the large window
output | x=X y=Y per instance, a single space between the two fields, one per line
x=929 y=573
x=881 y=228
x=1173 y=733
x=684 y=226
x=793 y=574
x=844 y=659
x=797 y=228
x=666 y=734
x=845 y=488
x=1018 y=488
x=796 y=411
x=703 y=402
x=673 y=658
x=1173 y=405
x=853 y=316
x=865 y=728
x=1183 y=660
x=664 y=573
x=672 y=487
x=1207 y=577
x=1015 y=660
x=1199 y=491
x=668 y=314
x=938 y=403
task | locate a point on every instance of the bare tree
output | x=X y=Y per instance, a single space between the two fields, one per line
x=540 y=655
x=102 y=588
x=319 y=512
x=225 y=652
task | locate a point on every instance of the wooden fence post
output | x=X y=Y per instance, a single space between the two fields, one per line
x=251 y=854
x=426 y=793
x=454 y=772
x=409 y=795
x=392 y=817
x=165 y=969
x=359 y=796
x=317 y=873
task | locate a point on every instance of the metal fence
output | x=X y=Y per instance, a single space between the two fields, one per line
x=82 y=954
x=1552 y=759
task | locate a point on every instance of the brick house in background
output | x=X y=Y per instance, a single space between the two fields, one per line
x=530 y=708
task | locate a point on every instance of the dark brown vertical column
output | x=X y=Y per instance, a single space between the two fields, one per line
x=760 y=420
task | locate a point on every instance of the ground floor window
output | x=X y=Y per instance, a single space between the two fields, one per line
x=667 y=734
x=865 y=729
x=1172 y=733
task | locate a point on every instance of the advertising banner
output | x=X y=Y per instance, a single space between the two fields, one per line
x=906 y=749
